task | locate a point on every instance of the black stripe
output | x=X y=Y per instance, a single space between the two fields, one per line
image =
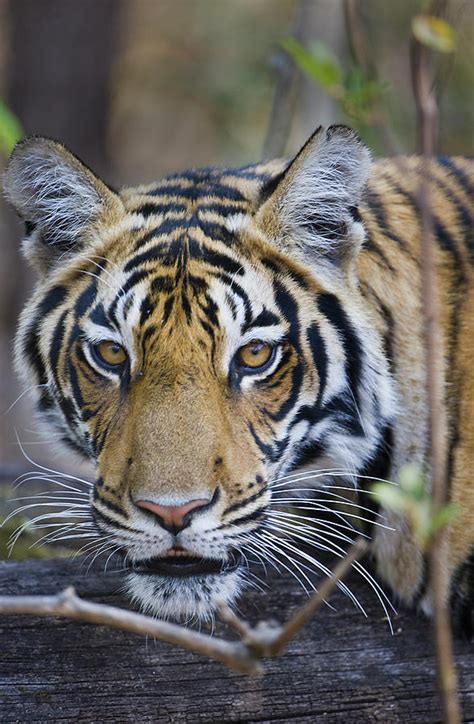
x=220 y=209
x=98 y=316
x=267 y=450
x=129 y=284
x=150 y=208
x=110 y=521
x=286 y=407
x=457 y=172
x=462 y=599
x=243 y=503
x=288 y=306
x=371 y=246
x=215 y=231
x=235 y=288
x=332 y=310
x=376 y=207
x=53 y=299
x=167 y=226
x=203 y=185
x=378 y=468
x=167 y=308
x=264 y=319
x=107 y=503
x=320 y=357
x=55 y=347
x=85 y=299
x=214 y=258
x=154 y=253
x=284 y=270
x=256 y=515
x=465 y=218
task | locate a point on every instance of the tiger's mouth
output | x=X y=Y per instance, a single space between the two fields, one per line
x=184 y=566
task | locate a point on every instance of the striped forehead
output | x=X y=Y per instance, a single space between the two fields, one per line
x=185 y=237
x=184 y=280
x=213 y=190
x=183 y=256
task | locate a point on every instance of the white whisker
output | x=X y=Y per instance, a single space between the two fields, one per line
x=302 y=554
x=309 y=520
x=21 y=395
x=49 y=470
x=313 y=505
x=344 y=500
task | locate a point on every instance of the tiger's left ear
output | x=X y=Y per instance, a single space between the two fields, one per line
x=310 y=210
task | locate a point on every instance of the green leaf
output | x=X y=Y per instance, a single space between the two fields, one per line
x=389 y=496
x=10 y=130
x=412 y=481
x=318 y=62
x=442 y=517
x=434 y=33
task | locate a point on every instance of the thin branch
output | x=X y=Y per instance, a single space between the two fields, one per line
x=306 y=612
x=242 y=655
x=231 y=653
x=423 y=88
x=286 y=89
x=362 y=57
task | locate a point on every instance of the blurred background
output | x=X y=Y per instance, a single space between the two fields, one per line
x=140 y=88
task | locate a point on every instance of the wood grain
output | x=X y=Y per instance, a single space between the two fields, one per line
x=342 y=668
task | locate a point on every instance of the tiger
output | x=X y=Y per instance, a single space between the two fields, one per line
x=228 y=340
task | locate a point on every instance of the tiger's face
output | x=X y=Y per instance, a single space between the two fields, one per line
x=193 y=338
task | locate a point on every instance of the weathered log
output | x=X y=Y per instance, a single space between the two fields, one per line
x=341 y=668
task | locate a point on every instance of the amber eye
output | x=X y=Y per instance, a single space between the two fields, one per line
x=255 y=355
x=109 y=354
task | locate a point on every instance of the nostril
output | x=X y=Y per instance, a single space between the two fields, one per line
x=174 y=517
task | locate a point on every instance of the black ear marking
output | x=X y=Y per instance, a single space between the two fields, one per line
x=355 y=213
x=30 y=227
x=270 y=186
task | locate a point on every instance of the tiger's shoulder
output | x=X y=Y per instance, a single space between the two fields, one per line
x=390 y=278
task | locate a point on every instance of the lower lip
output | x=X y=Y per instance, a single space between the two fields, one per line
x=188 y=567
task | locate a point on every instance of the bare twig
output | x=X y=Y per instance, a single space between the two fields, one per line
x=67 y=604
x=427 y=137
x=363 y=58
x=284 y=99
x=304 y=614
x=242 y=655
x=356 y=37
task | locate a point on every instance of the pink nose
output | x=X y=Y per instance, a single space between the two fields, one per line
x=174 y=517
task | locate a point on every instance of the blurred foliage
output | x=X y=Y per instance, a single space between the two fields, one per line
x=434 y=33
x=411 y=497
x=360 y=94
x=357 y=94
x=10 y=130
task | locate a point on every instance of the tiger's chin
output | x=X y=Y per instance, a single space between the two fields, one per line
x=184 y=600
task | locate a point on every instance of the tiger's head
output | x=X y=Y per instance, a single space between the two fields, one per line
x=197 y=339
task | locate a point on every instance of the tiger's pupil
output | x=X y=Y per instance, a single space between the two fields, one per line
x=254 y=354
x=111 y=353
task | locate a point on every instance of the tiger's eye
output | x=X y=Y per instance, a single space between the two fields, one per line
x=255 y=354
x=110 y=354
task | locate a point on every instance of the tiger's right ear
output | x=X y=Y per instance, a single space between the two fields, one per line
x=60 y=200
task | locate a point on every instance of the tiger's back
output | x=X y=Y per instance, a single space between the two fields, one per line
x=390 y=274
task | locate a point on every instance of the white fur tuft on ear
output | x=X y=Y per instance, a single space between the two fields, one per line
x=315 y=201
x=53 y=192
